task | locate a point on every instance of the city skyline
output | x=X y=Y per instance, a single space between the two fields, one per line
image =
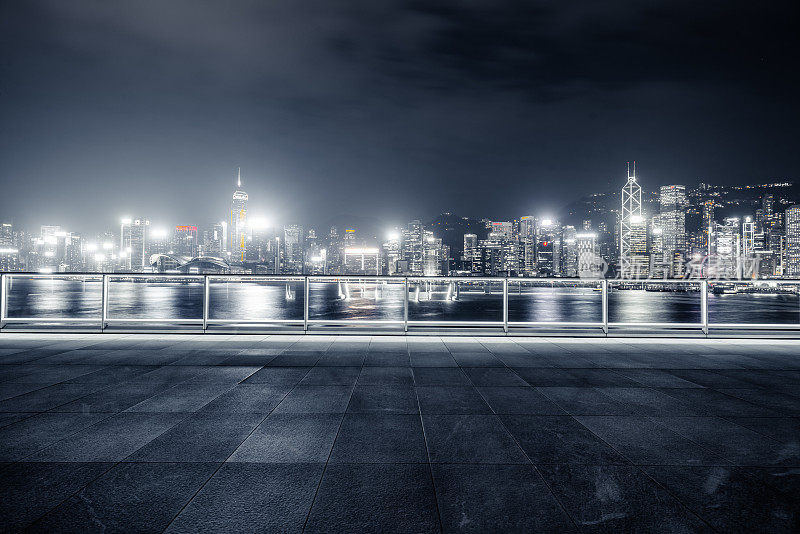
x=672 y=232
x=279 y=217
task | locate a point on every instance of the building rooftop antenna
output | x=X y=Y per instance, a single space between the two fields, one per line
x=239 y=177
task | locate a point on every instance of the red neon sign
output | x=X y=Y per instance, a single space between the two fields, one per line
x=186 y=228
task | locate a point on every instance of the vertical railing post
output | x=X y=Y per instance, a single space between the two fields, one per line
x=604 y=298
x=704 y=305
x=306 y=294
x=206 y=303
x=3 y=299
x=505 y=305
x=104 y=302
x=405 y=305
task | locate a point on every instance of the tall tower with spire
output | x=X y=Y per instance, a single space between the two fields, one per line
x=633 y=230
x=238 y=221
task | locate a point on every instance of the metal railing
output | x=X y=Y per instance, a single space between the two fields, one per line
x=405 y=304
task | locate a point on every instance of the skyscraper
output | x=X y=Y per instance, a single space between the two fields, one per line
x=413 y=239
x=471 y=253
x=139 y=237
x=708 y=224
x=293 y=245
x=673 y=225
x=238 y=222
x=633 y=229
x=792 y=267
x=527 y=245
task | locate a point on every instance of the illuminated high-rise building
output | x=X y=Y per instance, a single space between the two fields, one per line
x=708 y=224
x=9 y=254
x=568 y=266
x=673 y=225
x=792 y=264
x=237 y=228
x=392 y=251
x=633 y=258
x=590 y=265
x=548 y=248
x=471 y=253
x=527 y=245
x=125 y=243
x=413 y=240
x=218 y=239
x=293 y=247
x=138 y=257
x=725 y=259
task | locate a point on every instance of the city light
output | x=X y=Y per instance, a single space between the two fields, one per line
x=258 y=223
x=640 y=246
x=159 y=233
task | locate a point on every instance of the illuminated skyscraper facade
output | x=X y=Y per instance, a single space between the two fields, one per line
x=237 y=228
x=673 y=204
x=139 y=258
x=633 y=258
x=792 y=267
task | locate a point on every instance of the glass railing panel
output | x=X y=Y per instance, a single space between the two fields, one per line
x=354 y=299
x=655 y=302
x=534 y=301
x=455 y=300
x=54 y=297
x=762 y=303
x=250 y=299
x=155 y=297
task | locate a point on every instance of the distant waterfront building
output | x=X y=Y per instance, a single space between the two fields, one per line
x=547 y=248
x=590 y=265
x=237 y=228
x=471 y=253
x=708 y=224
x=293 y=249
x=660 y=259
x=139 y=236
x=218 y=244
x=125 y=248
x=792 y=267
x=9 y=254
x=724 y=261
x=432 y=255
x=633 y=260
x=413 y=240
x=362 y=260
x=527 y=245
x=184 y=241
x=673 y=204
x=392 y=251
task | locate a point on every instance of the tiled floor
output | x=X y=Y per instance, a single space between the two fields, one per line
x=378 y=434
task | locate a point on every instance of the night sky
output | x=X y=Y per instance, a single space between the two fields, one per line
x=393 y=110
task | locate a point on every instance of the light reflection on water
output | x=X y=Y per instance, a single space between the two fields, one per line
x=272 y=300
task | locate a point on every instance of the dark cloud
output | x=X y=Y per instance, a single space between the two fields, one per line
x=386 y=109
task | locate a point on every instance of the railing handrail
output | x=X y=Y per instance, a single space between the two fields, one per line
x=307 y=321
